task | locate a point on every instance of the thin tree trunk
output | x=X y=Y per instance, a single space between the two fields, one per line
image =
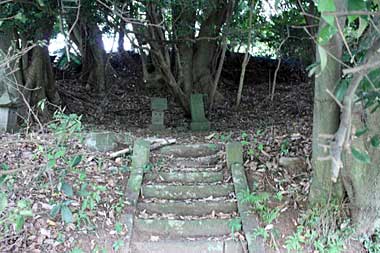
x=326 y=120
x=246 y=56
x=120 y=42
x=218 y=74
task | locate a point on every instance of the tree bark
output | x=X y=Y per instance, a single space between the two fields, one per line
x=88 y=37
x=362 y=181
x=39 y=76
x=326 y=120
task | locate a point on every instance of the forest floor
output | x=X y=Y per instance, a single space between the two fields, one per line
x=93 y=190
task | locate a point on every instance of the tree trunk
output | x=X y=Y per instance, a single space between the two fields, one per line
x=120 y=42
x=88 y=37
x=362 y=181
x=39 y=76
x=326 y=121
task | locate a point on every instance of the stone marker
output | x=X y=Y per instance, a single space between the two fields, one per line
x=8 y=102
x=158 y=106
x=107 y=141
x=199 y=121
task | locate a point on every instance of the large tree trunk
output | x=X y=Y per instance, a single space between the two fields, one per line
x=326 y=121
x=88 y=37
x=362 y=181
x=39 y=76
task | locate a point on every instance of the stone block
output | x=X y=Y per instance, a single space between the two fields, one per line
x=141 y=152
x=159 y=104
x=8 y=119
x=234 y=153
x=101 y=141
x=199 y=121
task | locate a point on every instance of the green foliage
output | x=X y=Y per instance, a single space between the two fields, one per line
x=372 y=243
x=15 y=216
x=323 y=229
x=360 y=156
x=235 y=225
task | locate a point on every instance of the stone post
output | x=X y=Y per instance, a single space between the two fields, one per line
x=158 y=106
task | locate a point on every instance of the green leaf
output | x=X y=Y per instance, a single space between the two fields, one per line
x=26 y=213
x=323 y=57
x=19 y=223
x=356 y=5
x=361 y=132
x=75 y=161
x=3 y=201
x=326 y=33
x=360 y=156
x=363 y=23
x=327 y=5
x=341 y=90
x=55 y=210
x=375 y=141
x=67 y=189
x=67 y=215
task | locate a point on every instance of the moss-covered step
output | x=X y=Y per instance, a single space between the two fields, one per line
x=188 y=209
x=199 y=246
x=199 y=162
x=181 y=192
x=186 y=177
x=175 y=229
x=191 y=150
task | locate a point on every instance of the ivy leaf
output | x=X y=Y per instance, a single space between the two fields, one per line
x=360 y=156
x=375 y=141
x=20 y=221
x=363 y=23
x=75 y=161
x=55 y=210
x=361 y=132
x=67 y=215
x=67 y=189
x=3 y=201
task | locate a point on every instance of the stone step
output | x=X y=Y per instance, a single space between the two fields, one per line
x=190 y=150
x=188 y=209
x=175 y=229
x=194 y=162
x=201 y=246
x=211 y=168
x=182 y=192
x=185 y=177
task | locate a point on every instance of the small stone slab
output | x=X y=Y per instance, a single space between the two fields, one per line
x=199 y=246
x=107 y=141
x=186 y=177
x=182 y=192
x=190 y=150
x=250 y=220
x=173 y=229
x=199 y=121
x=188 y=209
x=8 y=119
x=158 y=106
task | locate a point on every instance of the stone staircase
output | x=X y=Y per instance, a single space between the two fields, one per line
x=187 y=205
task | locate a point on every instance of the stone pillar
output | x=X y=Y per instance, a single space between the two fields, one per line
x=8 y=103
x=199 y=121
x=158 y=106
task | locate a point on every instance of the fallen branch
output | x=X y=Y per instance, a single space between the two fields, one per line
x=155 y=143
